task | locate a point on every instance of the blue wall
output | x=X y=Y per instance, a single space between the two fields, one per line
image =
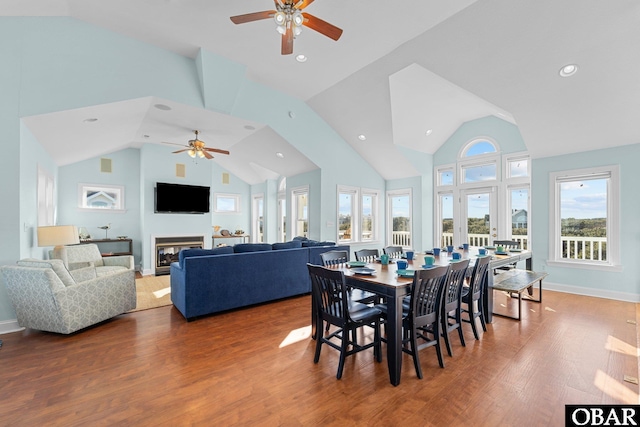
x=619 y=285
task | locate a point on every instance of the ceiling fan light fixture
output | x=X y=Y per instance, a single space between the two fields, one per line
x=200 y=154
x=280 y=18
x=192 y=153
x=289 y=20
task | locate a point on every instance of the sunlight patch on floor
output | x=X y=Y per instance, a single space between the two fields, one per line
x=162 y=292
x=615 y=389
x=619 y=346
x=296 y=335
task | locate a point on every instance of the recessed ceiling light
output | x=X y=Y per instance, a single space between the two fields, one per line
x=429 y=132
x=292 y=114
x=301 y=58
x=145 y=136
x=162 y=107
x=90 y=120
x=568 y=70
x=279 y=154
x=361 y=137
x=249 y=127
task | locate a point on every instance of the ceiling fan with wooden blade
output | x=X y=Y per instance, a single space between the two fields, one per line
x=198 y=148
x=289 y=19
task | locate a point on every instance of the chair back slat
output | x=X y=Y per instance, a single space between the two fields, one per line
x=478 y=276
x=334 y=258
x=393 y=251
x=507 y=243
x=426 y=293
x=367 y=255
x=329 y=289
x=453 y=285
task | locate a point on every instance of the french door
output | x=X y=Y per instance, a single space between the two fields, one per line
x=479 y=219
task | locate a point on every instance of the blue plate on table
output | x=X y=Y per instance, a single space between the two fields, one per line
x=490 y=247
x=356 y=264
x=406 y=273
x=427 y=266
x=502 y=253
x=391 y=260
x=367 y=271
x=515 y=250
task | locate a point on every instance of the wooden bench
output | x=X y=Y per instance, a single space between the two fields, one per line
x=515 y=282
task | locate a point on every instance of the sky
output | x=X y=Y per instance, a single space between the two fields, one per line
x=584 y=199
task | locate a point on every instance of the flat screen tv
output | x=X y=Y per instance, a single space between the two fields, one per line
x=180 y=198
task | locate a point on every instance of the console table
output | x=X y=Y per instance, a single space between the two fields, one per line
x=112 y=247
x=245 y=238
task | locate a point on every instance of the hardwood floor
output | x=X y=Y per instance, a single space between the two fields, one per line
x=154 y=368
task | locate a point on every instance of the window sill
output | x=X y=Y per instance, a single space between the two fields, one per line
x=102 y=210
x=585 y=265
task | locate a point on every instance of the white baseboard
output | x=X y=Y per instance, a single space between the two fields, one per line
x=8 y=326
x=591 y=292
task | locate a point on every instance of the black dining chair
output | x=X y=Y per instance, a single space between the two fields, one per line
x=507 y=244
x=367 y=255
x=422 y=321
x=472 y=295
x=452 y=302
x=333 y=306
x=334 y=258
x=393 y=251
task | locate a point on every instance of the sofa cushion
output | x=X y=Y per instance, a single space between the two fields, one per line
x=308 y=243
x=203 y=252
x=57 y=265
x=251 y=247
x=294 y=244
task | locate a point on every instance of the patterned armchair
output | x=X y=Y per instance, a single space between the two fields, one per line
x=88 y=255
x=47 y=297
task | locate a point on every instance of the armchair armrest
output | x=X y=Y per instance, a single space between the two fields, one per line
x=119 y=260
x=81 y=265
x=83 y=274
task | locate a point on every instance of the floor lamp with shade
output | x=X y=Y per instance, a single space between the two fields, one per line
x=58 y=236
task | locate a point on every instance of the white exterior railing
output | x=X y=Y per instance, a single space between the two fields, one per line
x=587 y=248
x=482 y=240
x=401 y=238
x=572 y=247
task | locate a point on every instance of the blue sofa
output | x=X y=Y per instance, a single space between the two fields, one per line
x=206 y=281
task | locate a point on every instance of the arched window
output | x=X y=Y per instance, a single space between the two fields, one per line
x=479 y=147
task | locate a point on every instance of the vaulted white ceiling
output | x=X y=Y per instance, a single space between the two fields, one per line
x=398 y=70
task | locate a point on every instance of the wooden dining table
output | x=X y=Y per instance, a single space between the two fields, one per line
x=386 y=283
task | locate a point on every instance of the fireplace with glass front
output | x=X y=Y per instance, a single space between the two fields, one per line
x=167 y=250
